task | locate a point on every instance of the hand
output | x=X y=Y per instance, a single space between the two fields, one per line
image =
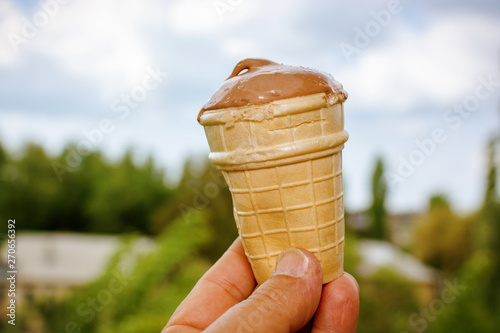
x=224 y=299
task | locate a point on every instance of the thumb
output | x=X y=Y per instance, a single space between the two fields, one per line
x=284 y=303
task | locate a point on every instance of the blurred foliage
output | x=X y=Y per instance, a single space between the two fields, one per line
x=192 y=224
x=202 y=188
x=351 y=257
x=386 y=302
x=491 y=193
x=92 y=196
x=490 y=214
x=469 y=312
x=131 y=298
x=442 y=239
x=87 y=193
x=477 y=307
x=386 y=299
x=378 y=215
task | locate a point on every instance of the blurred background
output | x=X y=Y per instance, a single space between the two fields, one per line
x=104 y=167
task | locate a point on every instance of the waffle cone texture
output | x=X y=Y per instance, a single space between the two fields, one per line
x=283 y=164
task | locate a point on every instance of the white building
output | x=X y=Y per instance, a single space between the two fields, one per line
x=51 y=263
x=375 y=255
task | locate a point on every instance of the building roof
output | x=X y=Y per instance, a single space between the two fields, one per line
x=375 y=255
x=66 y=258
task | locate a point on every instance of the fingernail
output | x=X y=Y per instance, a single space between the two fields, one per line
x=292 y=262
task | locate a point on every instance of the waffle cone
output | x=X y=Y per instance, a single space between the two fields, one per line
x=283 y=164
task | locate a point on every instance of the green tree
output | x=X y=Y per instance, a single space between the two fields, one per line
x=441 y=238
x=5 y=178
x=3 y=155
x=202 y=189
x=69 y=210
x=387 y=300
x=476 y=308
x=126 y=197
x=93 y=195
x=377 y=212
x=468 y=312
x=491 y=193
x=30 y=190
x=490 y=214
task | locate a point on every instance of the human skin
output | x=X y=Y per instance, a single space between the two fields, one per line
x=293 y=299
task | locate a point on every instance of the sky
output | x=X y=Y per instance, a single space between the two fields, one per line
x=422 y=76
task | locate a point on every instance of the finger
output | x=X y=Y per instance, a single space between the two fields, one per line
x=339 y=307
x=284 y=303
x=227 y=283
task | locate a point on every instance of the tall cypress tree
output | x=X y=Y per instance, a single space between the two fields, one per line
x=491 y=195
x=378 y=215
x=491 y=214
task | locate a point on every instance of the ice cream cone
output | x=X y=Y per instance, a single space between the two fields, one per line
x=282 y=161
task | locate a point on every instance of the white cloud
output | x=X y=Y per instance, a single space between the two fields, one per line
x=94 y=40
x=99 y=40
x=239 y=47
x=8 y=22
x=203 y=17
x=192 y=16
x=439 y=64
